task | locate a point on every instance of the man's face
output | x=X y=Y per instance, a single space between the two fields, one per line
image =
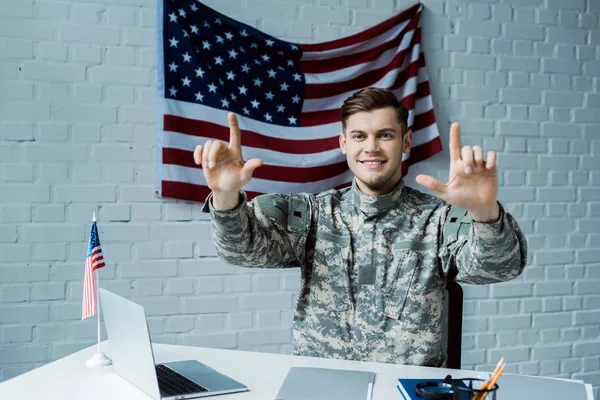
x=373 y=143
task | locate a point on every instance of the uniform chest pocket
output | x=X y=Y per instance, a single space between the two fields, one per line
x=398 y=281
x=329 y=286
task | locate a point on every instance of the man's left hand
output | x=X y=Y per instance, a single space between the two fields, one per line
x=473 y=182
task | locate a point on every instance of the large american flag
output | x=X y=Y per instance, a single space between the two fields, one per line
x=94 y=260
x=287 y=97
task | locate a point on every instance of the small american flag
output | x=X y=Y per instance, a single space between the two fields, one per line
x=287 y=97
x=94 y=260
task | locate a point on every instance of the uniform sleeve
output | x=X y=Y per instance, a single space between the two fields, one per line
x=481 y=253
x=268 y=232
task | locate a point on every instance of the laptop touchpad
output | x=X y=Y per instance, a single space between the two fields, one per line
x=203 y=375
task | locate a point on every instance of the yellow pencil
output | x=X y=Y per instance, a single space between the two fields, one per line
x=486 y=385
x=493 y=381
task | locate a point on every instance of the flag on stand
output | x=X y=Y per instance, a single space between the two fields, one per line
x=287 y=97
x=94 y=260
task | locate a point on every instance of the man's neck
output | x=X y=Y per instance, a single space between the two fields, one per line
x=377 y=192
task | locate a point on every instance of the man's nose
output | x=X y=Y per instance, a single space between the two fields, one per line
x=372 y=145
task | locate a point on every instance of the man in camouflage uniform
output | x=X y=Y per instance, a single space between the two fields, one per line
x=374 y=257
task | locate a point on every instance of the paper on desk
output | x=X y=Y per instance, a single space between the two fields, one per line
x=306 y=383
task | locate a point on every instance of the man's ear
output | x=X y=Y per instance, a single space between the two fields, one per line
x=408 y=140
x=343 y=142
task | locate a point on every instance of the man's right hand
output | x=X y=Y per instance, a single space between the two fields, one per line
x=225 y=170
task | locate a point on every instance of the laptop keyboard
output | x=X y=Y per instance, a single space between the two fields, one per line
x=171 y=383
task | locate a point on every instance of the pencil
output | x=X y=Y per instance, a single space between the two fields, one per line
x=487 y=385
x=494 y=380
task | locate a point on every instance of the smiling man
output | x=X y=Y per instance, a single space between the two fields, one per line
x=374 y=257
x=373 y=140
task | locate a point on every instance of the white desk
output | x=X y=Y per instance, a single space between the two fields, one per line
x=263 y=373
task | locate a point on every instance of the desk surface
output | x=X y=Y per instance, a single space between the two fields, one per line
x=69 y=378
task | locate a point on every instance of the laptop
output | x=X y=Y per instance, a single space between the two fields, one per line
x=133 y=359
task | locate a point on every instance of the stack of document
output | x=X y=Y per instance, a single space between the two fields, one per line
x=305 y=383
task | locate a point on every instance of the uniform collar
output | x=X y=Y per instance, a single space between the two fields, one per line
x=372 y=206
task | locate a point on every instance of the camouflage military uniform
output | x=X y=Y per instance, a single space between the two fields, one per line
x=373 y=269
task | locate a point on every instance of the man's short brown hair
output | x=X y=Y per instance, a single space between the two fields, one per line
x=370 y=99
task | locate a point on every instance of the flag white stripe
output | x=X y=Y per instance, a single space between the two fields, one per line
x=358 y=47
x=422 y=105
x=270 y=157
x=386 y=81
x=356 y=70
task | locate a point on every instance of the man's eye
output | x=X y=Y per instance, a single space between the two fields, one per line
x=386 y=135
x=357 y=137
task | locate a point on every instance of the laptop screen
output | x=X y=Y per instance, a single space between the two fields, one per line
x=129 y=339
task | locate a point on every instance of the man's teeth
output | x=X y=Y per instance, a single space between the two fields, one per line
x=372 y=162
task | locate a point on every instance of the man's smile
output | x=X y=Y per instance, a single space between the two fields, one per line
x=372 y=163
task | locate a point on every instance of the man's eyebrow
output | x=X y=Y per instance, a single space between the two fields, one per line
x=379 y=131
x=386 y=130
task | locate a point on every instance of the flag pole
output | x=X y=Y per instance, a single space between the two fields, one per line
x=97 y=307
x=98 y=359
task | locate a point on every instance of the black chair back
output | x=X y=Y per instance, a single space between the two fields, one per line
x=452 y=323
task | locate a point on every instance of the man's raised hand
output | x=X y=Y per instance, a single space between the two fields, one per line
x=225 y=170
x=473 y=181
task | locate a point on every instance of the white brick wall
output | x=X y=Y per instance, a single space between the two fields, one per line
x=77 y=134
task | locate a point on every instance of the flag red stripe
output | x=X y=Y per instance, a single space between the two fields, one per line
x=194 y=127
x=337 y=63
x=316 y=118
x=185 y=158
x=321 y=90
x=98 y=266
x=425 y=119
x=364 y=35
